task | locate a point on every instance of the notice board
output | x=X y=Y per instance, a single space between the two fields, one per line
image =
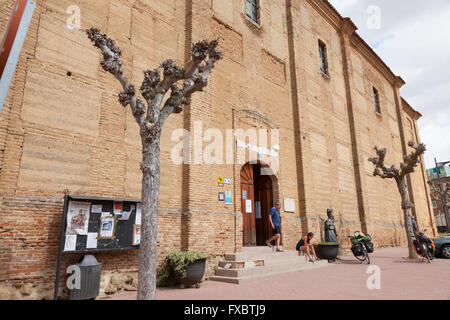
x=94 y=224
x=97 y=224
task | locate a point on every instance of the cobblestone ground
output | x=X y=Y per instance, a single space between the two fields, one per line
x=400 y=279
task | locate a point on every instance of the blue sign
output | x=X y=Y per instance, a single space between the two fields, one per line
x=228 y=198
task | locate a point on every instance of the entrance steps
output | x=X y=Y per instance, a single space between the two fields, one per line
x=261 y=262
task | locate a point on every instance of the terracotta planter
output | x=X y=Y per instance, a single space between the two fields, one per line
x=194 y=274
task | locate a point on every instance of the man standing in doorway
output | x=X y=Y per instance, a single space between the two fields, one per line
x=274 y=218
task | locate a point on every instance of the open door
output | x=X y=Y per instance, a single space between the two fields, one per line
x=263 y=204
x=248 y=205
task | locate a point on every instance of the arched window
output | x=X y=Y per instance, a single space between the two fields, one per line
x=323 y=58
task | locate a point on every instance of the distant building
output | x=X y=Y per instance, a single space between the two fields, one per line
x=438 y=207
x=443 y=172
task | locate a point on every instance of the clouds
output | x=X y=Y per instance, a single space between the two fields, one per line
x=414 y=41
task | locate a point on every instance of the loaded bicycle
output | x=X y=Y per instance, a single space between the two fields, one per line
x=361 y=246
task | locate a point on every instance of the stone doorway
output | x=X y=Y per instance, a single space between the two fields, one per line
x=257 y=198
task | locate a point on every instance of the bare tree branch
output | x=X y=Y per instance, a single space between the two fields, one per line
x=112 y=63
x=411 y=161
x=380 y=168
x=196 y=77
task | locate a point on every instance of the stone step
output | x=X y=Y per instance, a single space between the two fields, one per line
x=288 y=265
x=225 y=279
x=263 y=272
x=258 y=249
x=243 y=256
x=266 y=262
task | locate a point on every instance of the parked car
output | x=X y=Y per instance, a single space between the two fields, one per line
x=442 y=247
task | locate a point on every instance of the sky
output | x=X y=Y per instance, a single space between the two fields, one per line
x=413 y=39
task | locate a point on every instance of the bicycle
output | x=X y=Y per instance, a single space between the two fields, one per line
x=359 y=250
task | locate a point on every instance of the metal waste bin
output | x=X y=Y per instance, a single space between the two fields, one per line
x=90 y=271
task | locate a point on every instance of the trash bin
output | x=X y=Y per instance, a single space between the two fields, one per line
x=90 y=271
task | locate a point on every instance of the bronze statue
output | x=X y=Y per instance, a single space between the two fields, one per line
x=330 y=229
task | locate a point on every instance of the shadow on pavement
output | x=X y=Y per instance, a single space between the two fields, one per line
x=347 y=262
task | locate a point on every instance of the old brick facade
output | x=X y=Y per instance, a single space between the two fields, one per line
x=63 y=128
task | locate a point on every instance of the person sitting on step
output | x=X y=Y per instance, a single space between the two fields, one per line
x=305 y=245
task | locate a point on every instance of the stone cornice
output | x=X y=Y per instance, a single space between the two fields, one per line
x=348 y=27
x=410 y=110
x=367 y=52
x=327 y=11
x=399 y=82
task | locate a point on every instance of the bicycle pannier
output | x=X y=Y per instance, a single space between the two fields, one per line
x=357 y=250
x=369 y=246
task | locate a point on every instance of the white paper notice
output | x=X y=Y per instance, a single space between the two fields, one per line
x=248 y=206
x=138 y=214
x=78 y=217
x=92 y=240
x=96 y=208
x=71 y=242
x=105 y=214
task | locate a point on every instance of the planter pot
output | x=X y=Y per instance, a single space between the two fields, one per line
x=194 y=274
x=328 y=251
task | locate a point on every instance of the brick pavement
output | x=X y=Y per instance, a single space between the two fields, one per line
x=400 y=280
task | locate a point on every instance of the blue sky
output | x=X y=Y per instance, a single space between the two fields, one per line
x=413 y=39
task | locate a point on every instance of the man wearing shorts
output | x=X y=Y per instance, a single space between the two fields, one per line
x=274 y=218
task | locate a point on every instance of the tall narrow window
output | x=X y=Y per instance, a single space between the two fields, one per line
x=252 y=9
x=323 y=58
x=376 y=98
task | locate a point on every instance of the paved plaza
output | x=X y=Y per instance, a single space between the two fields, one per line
x=400 y=279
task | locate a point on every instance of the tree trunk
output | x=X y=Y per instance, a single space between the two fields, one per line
x=406 y=206
x=150 y=194
x=447 y=213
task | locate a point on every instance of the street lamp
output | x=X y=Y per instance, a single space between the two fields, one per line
x=440 y=165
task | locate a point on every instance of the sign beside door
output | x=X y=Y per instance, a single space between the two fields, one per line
x=248 y=206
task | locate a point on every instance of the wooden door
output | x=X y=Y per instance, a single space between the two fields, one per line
x=264 y=196
x=247 y=204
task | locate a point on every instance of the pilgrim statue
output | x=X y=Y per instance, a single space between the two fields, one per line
x=330 y=229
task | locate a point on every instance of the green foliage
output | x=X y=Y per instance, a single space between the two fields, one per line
x=176 y=262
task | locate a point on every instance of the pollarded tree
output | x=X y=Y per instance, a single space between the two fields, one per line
x=441 y=192
x=407 y=166
x=150 y=117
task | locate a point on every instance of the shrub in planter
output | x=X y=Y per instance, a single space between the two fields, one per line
x=175 y=267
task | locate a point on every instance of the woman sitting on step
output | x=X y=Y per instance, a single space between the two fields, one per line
x=305 y=245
